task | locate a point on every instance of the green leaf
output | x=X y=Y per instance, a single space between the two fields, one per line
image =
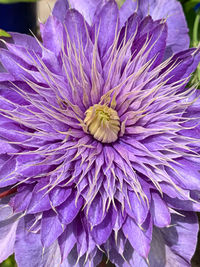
x=15 y=1
x=120 y=2
x=190 y=4
x=191 y=16
x=10 y=262
x=4 y=33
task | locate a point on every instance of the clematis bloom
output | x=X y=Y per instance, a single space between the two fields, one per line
x=99 y=142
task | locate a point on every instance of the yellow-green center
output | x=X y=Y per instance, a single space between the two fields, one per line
x=103 y=123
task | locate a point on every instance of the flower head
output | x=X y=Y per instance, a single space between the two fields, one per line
x=100 y=141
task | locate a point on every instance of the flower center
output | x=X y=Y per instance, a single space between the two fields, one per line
x=103 y=123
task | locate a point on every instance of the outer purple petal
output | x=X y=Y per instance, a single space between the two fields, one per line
x=178 y=204
x=193 y=127
x=127 y=9
x=95 y=213
x=159 y=210
x=175 y=244
x=29 y=250
x=8 y=226
x=17 y=67
x=60 y=9
x=25 y=193
x=76 y=28
x=51 y=228
x=139 y=239
x=139 y=209
x=188 y=177
x=188 y=61
x=58 y=195
x=130 y=256
x=155 y=33
x=108 y=15
x=67 y=240
x=26 y=41
x=101 y=232
x=39 y=201
x=7 y=167
x=52 y=35
x=69 y=209
x=178 y=38
x=71 y=260
x=87 y=8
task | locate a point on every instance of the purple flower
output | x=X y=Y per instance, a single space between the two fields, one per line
x=99 y=143
x=171 y=10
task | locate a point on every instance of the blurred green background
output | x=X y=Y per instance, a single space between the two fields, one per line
x=10 y=262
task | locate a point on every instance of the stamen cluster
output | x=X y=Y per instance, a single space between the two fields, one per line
x=103 y=123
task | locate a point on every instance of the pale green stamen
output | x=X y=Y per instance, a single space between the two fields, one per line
x=103 y=123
